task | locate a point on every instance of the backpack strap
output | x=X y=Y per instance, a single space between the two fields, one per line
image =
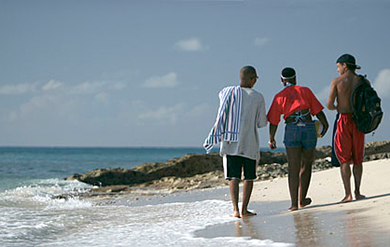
x=362 y=83
x=363 y=79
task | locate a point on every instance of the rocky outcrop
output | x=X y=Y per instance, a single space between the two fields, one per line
x=202 y=171
x=186 y=166
x=112 y=176
x=377 y=148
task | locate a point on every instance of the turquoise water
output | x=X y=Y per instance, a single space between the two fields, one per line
x=33 y=214
x=20 y=164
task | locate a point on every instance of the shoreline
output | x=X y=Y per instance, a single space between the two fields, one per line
x=323 y=223
x=201 y=171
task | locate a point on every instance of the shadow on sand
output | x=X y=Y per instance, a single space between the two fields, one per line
x=337 y=203
x=304 y=227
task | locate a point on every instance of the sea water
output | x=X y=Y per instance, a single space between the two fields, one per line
x=33 y=211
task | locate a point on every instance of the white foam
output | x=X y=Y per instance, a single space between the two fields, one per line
x=46 y=193
x=170 y=224
x=29 y=216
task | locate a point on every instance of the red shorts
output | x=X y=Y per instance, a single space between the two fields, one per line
x=348 y=140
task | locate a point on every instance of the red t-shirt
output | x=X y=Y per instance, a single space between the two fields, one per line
x=290 y=100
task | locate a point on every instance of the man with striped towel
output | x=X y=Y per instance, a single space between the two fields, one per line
x=241 y=112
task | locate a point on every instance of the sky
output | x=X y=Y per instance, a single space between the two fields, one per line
x=147 y=73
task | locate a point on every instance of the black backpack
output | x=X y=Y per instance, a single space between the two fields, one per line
x=366 y=104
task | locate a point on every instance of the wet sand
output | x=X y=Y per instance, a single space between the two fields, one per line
x=324 y=222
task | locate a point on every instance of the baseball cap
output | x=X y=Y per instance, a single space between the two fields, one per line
x=348 y=59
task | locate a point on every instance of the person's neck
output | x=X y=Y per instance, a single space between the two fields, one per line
x=245 y=85
x=349 y=72
x=289 y=84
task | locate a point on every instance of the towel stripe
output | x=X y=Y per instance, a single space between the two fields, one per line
x=228 y=118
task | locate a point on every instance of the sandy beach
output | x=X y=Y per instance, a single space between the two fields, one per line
x=324 y=222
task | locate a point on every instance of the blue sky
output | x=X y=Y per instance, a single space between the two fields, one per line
x=148 y=73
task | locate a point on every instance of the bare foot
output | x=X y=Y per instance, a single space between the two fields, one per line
x=305 y=202
x=236 y=214
x=346 y=199
x=248 y=213
x=360 y=196
x=293 y=209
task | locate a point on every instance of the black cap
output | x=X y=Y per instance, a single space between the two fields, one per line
x=348 y=59
x=288 y=73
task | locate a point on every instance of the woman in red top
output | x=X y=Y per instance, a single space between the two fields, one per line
x=297 y=104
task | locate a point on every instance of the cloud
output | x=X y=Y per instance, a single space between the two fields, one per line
x=102 y=97
x=96 y=87
x=89 y=87
x=38 y=103
x=21 y=88
x=261 y=41
x=117 y=85
x=163 y=115
x=382 y=83
x=165 y=81
x=52 y=85
x=193 y=44
x=70 y=102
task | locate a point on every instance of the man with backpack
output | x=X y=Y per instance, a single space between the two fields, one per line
x=348 y=140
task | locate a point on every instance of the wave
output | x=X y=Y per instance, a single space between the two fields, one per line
x=45 y=193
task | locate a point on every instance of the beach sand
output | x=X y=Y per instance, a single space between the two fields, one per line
x=324 y=222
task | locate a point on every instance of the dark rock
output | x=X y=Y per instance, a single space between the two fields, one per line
x=112 y=176
x=186 y=166
x=194 y=170
x=377 y=147
x=378 y=156
x=270 y=158
x=321 y=164
x=323 y=152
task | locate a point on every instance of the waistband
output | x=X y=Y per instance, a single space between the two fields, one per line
x=299 y=116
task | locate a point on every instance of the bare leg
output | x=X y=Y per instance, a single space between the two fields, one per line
x=294 y=164
x=247 y=191
x=305 y=176
x=357 y=174
x=346 y=177
x=234 y=189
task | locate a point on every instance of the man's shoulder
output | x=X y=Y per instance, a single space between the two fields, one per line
x=338 y=79
x=252 y=91
x=346 y=81
x=229 y=88
x=253 y=94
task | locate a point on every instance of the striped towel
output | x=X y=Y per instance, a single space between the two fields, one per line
x=227 y=123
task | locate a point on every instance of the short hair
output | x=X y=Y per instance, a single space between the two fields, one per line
x=246 y=72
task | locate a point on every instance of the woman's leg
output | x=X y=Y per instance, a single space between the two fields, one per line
x=294 y=165
x=305 y=175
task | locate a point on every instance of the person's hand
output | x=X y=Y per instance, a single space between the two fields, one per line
x=326 y=127
x=272 y=144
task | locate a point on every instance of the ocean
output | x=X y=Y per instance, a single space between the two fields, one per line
x=33 y=213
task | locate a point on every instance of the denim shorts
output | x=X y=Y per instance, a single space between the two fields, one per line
x=300 y=135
